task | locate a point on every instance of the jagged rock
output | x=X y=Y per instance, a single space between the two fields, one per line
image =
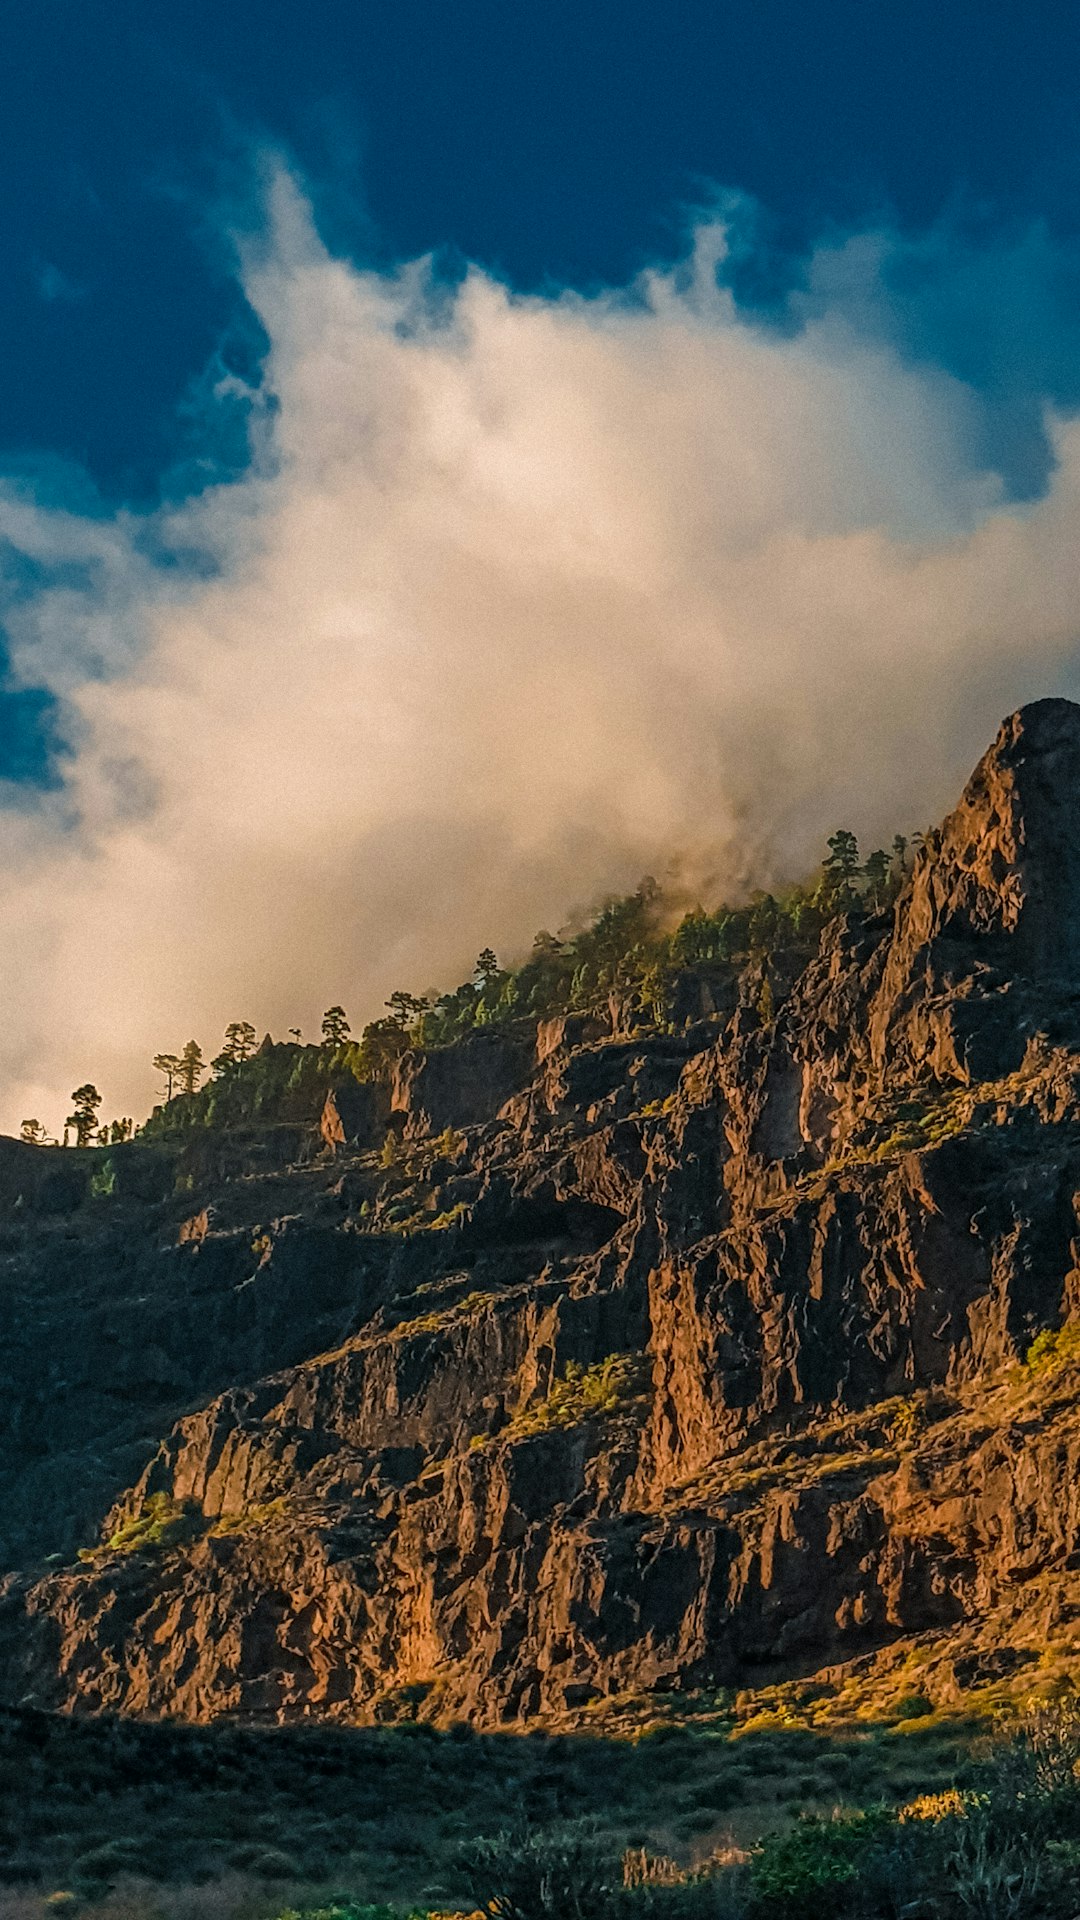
x=992 y=909
x=993 y=1663
x=699 y=1356
x=355 y=1115
x=460 y=1086
x=567 y=1031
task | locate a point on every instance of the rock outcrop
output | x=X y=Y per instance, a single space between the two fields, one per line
x=647 y=1360
x=459 y=1086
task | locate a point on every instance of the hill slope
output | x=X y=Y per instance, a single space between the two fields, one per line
x=650 y=1360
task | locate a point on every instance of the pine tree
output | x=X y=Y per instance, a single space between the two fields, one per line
x=192 y=1067
x=405 y=1008
x=239 y=1046
x=33 y=1133
x=840 y=867
x=169 y=1064
x=335 y=1027
x=876 y=872
x=83 y=1116
x=382 y=1044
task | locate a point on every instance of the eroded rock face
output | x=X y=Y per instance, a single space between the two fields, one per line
x=458 y=1086
x=992 y=909
x=656 y=1358
x=355 y=1115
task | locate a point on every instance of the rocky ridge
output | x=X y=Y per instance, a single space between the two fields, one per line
x=645 y=1361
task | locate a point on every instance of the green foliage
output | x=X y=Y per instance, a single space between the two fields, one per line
x=281 y=1083
x=1052 y=1350
x=103 y=1180
x=842 y=860
x=382 y=1044
x=366 y=1820
x=83 y=1116
x=335 y=1027
x=563 y=1873
x=633 y=948
x=582 y=1393
x=239 y=1046
x=442 y=1316
x=449 y=1145
x=191 y=1068
x=160 y=1522
x=450 y=1217
x=405 y=1008
x=913 y=1706
x=804 y=1874
x=906 y=1421
x=252 y=1519
x=876 y=872
x=169 y=1065
x=351 y=1910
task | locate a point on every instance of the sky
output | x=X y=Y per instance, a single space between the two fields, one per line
x=454 y=459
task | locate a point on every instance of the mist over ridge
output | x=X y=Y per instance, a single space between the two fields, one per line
x=519 y=599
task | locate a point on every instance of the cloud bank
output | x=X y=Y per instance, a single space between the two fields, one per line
x=518 y=599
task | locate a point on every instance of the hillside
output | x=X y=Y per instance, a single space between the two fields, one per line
x=732 y=1356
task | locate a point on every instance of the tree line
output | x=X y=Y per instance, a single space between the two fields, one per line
x=83 y=1122
x=632 y=946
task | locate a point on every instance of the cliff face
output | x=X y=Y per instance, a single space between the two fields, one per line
x=651 y=1361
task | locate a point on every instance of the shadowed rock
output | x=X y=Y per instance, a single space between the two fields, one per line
x=687 y=1357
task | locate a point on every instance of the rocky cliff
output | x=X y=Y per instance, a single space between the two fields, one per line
x=643 y=1360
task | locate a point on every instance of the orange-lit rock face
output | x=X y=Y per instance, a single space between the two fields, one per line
x=634 y=1359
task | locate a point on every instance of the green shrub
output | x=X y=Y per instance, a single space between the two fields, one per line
x=347 y=1910
x=725 y=1791
x=1051 y=1350
x=1030 y=1778
x=160 y=1522
x=582 y=1393
x=559 y=1873
x=807 y=1872
x=913 y=1706
x=111 y=1859
x=103 y=1180
x=992 y=1875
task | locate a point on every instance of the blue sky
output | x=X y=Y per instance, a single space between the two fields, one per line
x=556 y=144
x=357 y=613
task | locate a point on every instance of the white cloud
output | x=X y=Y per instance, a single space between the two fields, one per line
x=520 y=598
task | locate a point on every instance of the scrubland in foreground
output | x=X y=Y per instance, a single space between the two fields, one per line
x=698 y=1816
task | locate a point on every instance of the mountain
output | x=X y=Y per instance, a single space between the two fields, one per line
x=595 y=1361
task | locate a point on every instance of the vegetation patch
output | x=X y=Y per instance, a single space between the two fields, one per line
x=441 y=1316
x=636 y=946
x=1050 y=1351
x=253 y=1519
x=160 y=1522
x=610 y=1387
